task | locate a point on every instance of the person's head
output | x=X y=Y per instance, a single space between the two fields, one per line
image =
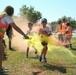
x=68 y=24
x=9 y=10
x=30 y=25
x=44 y=22
x=64 y=20
x=59 y=22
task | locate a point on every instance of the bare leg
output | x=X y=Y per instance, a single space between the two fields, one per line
x=10 y=39
x=1 y=53
x=4 y=42
x=42 y=52
x=45 y=51
x=27 y=52
x=35 y=49
x=70 y=44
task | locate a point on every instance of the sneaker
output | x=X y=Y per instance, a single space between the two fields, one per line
x=70 y=48
x=26 y=55
x=5 y=54
x=11 y=48
x=3 y=70
x=44 y=60
x=40 y=58
x=66 y=46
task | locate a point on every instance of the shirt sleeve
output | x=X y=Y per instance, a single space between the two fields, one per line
x=8 y=19
x=50 y=29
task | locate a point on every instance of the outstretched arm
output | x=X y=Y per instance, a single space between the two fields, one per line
x=18 y=30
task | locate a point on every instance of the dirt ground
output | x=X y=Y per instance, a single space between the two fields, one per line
x=18 y=42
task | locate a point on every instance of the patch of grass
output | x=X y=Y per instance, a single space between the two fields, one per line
x=18 y=64
x=74 y=43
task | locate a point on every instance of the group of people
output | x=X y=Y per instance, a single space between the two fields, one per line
x=64 y=31
x=7 y=23
x=43 y=31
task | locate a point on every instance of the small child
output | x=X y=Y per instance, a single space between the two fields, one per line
x=68 y=35
x=29 y=33
x=47 y=32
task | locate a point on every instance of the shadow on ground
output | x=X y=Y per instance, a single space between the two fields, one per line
x=4 y=74
x=52 y=68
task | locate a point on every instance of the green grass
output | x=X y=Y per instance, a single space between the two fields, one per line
x=59 y=63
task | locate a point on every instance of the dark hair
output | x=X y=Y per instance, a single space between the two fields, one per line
x=68 y=24
x=59 y=22
x=9 y=10
x=30 y=23
x=64 y=19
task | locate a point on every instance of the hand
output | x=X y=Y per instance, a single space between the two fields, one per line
x=49 y=34
x=26 y=37
x=30 y=38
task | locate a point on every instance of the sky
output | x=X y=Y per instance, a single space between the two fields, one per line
x=50 y=9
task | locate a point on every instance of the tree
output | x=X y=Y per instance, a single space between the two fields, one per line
x=31 y=14
x=54 y=26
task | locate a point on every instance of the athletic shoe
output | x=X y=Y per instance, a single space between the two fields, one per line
x=44 y=60
x=11 y=48
x=3 y=70
x=26 y=55
x=40 y=58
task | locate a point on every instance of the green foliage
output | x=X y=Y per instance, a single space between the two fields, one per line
x=54 y=26
x=31 y=14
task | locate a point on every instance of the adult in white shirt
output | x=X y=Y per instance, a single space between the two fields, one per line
x=5 y=20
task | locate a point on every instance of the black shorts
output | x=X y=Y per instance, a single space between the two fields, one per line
x=9 y=35
x=44 y=43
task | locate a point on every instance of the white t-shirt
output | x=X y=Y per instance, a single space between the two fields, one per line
x=29 y=32
x=46 y=29
x=7 y=20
